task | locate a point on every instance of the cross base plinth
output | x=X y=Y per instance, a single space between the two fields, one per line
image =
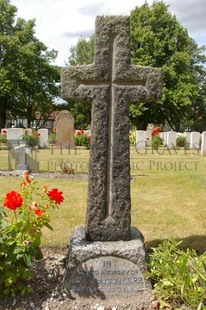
x=108 y=270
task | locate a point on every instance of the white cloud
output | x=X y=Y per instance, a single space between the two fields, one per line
x=60 y=23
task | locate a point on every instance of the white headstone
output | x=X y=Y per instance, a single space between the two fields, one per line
x=171 y=139
x=140 y=139
x=43 y=138
x=194 y=140
x=15 y=133
x=88 y=132
x=163 y=136
x=187 y=135
x=148 y=136
x=203 y=145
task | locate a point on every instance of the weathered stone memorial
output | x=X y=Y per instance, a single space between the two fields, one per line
x=65 y=129
x=21 y=166
x=107 y=258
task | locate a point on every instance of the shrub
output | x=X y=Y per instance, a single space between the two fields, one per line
x=52 y=136
x=156 y=140
x=181 y=141
x=3 y=139
x=81 y=139
x=132 y=138
x=31 y=140
x=179 y=276
x=20 y=234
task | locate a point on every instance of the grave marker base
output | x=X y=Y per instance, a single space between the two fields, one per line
x=108 y=269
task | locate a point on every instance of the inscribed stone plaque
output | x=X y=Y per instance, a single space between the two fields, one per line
x=65 y=128
x=105 y=277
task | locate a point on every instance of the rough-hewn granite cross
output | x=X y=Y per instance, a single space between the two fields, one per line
x=110 y=84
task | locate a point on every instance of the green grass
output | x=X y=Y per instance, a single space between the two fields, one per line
x=165 y=202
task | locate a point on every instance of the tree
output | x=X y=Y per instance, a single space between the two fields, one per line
x=27 y=79
x=81 y=54
x=158 y=39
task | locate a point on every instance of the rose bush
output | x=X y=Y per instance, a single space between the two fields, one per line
x=21 y=221
x=31 y=140
x=156 y=140
x=82 y=139
x=3 y=139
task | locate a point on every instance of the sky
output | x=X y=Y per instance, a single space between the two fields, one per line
x=60 y=23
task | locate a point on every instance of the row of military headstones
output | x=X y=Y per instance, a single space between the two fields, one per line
x=14 y=135
x=194 y=140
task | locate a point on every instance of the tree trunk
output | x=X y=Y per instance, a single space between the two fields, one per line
x=2 y=119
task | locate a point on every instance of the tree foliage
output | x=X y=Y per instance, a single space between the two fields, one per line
x=81 y=54
x=159 y=40
x=27 y=79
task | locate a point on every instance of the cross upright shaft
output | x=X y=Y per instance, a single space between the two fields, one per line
x=110 y=84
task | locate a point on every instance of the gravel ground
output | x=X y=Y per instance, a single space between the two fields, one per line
x=45 y=175
x=48 y=295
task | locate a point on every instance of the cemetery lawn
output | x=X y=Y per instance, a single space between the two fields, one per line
x=168 y=198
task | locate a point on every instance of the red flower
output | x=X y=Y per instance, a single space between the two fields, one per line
x=13 y=200
x=55 y=195
x=79 y=133
x=23 y=184
x=156 y=130
x=39 y=212
x=89 y=138
x=82 y=131
x=4 y=131
x=26 y=175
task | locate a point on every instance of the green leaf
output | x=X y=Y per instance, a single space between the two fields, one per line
x=39 y=255
x=48 y=225
x=27 y=260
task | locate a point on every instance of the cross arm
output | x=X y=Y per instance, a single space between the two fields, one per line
x=72 y=78
x=145 y=81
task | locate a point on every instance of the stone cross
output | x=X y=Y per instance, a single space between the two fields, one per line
x=110 y=83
